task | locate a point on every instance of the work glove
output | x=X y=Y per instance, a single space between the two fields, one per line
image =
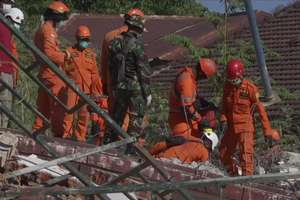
x=203 y=105
x=149 y=100
x=175 y=140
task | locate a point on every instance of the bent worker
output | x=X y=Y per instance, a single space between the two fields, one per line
x=240 y=100
x=82 y=69
x=187 y=148
x=184 y=118
x=130 y=78
x=8 y=68
x=46 y=40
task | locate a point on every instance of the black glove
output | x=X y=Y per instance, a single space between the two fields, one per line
x=224 y=127
x=175 y=140
x=203 y=105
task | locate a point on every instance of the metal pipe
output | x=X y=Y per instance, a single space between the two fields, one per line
x=215 y=182
x=259 y=50
x=67 y=158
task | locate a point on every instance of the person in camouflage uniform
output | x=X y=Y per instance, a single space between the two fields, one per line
x=130 y=72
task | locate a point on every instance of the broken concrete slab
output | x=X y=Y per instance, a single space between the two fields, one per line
x=8 y=146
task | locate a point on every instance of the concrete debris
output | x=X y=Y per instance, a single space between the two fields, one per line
x=289 y=162
x=8 y=145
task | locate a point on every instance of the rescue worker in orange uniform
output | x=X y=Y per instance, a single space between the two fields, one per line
x=82 y=69
x=183 y=116
x=240 y=100
x=46 y=40
x=187 y=148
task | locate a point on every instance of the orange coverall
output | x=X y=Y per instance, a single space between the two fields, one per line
x=238 y=106
x=104 y=59
x=181 y=103
x=82 y=69
x=192 y=150
x=46 y=40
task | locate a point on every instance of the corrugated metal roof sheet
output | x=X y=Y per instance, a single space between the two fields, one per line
x=198 y=29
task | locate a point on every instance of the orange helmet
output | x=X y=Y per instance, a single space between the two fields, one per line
x=136 y=11
x=83 y=32
x=135 y=17
x=208 y=67
x=58 y=7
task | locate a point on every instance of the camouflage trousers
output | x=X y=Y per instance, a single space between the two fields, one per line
x=133 y=103
x=5 y=98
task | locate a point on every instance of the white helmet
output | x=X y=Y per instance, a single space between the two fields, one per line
x=16 y=15
x=209 y=134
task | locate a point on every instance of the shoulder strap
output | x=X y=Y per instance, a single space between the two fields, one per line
x=130 y=42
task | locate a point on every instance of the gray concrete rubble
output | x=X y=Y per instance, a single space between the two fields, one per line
x=8 y=146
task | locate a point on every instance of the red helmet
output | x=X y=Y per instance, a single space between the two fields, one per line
x=235 y=69
x=208 y=67
x=83 y=32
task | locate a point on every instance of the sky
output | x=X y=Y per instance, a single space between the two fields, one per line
x=266 y=5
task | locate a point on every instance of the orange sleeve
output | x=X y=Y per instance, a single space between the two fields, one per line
x=157 y=148
x=254 y=95
x=223 y=107
x=186 y=89
x=51 y=48
x=187 y=92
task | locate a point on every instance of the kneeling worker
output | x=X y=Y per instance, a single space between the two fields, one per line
x=187 y=149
